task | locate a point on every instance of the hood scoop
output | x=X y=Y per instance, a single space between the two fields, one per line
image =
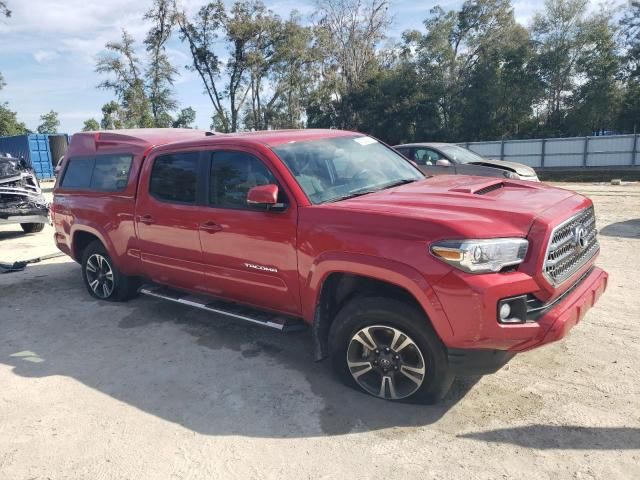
x=481 y=188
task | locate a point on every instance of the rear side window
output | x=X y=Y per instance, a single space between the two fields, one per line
x=174 y=177
x=101 y=173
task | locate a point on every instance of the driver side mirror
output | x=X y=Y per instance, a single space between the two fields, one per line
x=443 y=162
x=263 y=195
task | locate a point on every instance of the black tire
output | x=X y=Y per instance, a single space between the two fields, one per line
x=116 y=288
x=32 y=227
x=384 y=317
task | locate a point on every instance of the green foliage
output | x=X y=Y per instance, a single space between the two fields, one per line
x=125 y=79
x=49 y=122
x=112 y=116
x=185 y=118
x=471 y=73
x=90 y=125
x=160 y=74
x=9 y=124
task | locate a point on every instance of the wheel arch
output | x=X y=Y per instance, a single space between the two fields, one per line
x=339 y=277
x=81 y=237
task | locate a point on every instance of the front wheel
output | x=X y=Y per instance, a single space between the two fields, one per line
x=102 y=278
x=388 y=349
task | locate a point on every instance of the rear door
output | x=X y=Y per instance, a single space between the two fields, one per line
x=169 y=212
x=249 y=253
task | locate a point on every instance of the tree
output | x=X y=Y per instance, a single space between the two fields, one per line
x=126 y=81
x=90 y=125
x=629 y=116
x=111 y=116
x=50 y=122
x=558 y=35
x=160 y=74
x=595 y=102
x=4 y=9
x=461 y=58
x=348 y=33
x=9 y=124
x=185 y=118
x=201 y=34
x=631 y=36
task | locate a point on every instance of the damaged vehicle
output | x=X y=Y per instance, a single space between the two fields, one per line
x=21 y=199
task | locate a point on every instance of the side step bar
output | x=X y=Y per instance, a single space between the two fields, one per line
x=277 y=321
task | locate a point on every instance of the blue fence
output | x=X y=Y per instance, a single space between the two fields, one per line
x=35 y=149
x=604 y=151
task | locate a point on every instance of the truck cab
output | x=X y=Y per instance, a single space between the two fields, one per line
x=405 y=281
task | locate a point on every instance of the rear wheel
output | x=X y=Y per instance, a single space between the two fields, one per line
x=388 y=349
x=32 y=227
x=102 y=278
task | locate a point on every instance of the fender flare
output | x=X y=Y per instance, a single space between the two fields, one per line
x=87 y=228
x=378 y=268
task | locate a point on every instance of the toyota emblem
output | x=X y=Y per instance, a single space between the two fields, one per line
x=579 y=238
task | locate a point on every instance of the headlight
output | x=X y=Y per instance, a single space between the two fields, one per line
x=481 y=256
x=511 y=175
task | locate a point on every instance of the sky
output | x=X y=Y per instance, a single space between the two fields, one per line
x=48 y=51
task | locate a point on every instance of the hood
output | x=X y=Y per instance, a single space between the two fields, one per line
x=10 y=167
x=518 y=168
x=457 y=206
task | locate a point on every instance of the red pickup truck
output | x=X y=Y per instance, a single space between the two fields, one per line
x=404 y=280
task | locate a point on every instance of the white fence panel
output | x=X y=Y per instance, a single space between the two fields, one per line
x=565 y=145
x=606 y=151
x=563 y=160
x=486 y=149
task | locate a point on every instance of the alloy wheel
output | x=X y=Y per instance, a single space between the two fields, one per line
x=386 y=362
x=100 y=275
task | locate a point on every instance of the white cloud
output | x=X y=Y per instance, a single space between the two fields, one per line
x=45 y=55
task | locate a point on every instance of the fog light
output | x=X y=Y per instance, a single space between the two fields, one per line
x=512 y=310
x=505 y=311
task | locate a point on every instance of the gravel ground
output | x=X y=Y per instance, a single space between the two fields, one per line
x=153 y=390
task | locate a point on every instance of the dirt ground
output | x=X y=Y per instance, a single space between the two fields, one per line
x=153 y=390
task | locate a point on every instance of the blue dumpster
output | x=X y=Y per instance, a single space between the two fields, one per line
x=35 y=149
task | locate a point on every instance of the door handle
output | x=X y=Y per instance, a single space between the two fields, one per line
x=146 y=219
x=210 y=227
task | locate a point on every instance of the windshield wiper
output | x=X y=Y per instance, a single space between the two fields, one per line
x=366 y=191
x=357 y=193
x=404 y=181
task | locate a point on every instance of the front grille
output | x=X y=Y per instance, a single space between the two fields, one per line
x=573 y=243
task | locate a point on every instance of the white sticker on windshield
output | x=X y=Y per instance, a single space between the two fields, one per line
x=365 y=140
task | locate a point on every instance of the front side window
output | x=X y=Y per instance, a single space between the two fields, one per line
x=101 y=173
x=461 y=155
x=337 y=168
x=174 y=177
x=233 y=174
x=426 y=156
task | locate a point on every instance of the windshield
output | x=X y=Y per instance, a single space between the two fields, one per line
x=461 y=155
x=337 y=168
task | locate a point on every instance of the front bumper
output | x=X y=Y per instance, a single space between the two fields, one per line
x=470 y=303
x=565 y=314
x=552 y=325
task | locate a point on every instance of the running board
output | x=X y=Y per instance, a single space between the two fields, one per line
x=277 y=321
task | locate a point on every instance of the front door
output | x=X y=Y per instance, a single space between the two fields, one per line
x=168 y=218
x=249 y=253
